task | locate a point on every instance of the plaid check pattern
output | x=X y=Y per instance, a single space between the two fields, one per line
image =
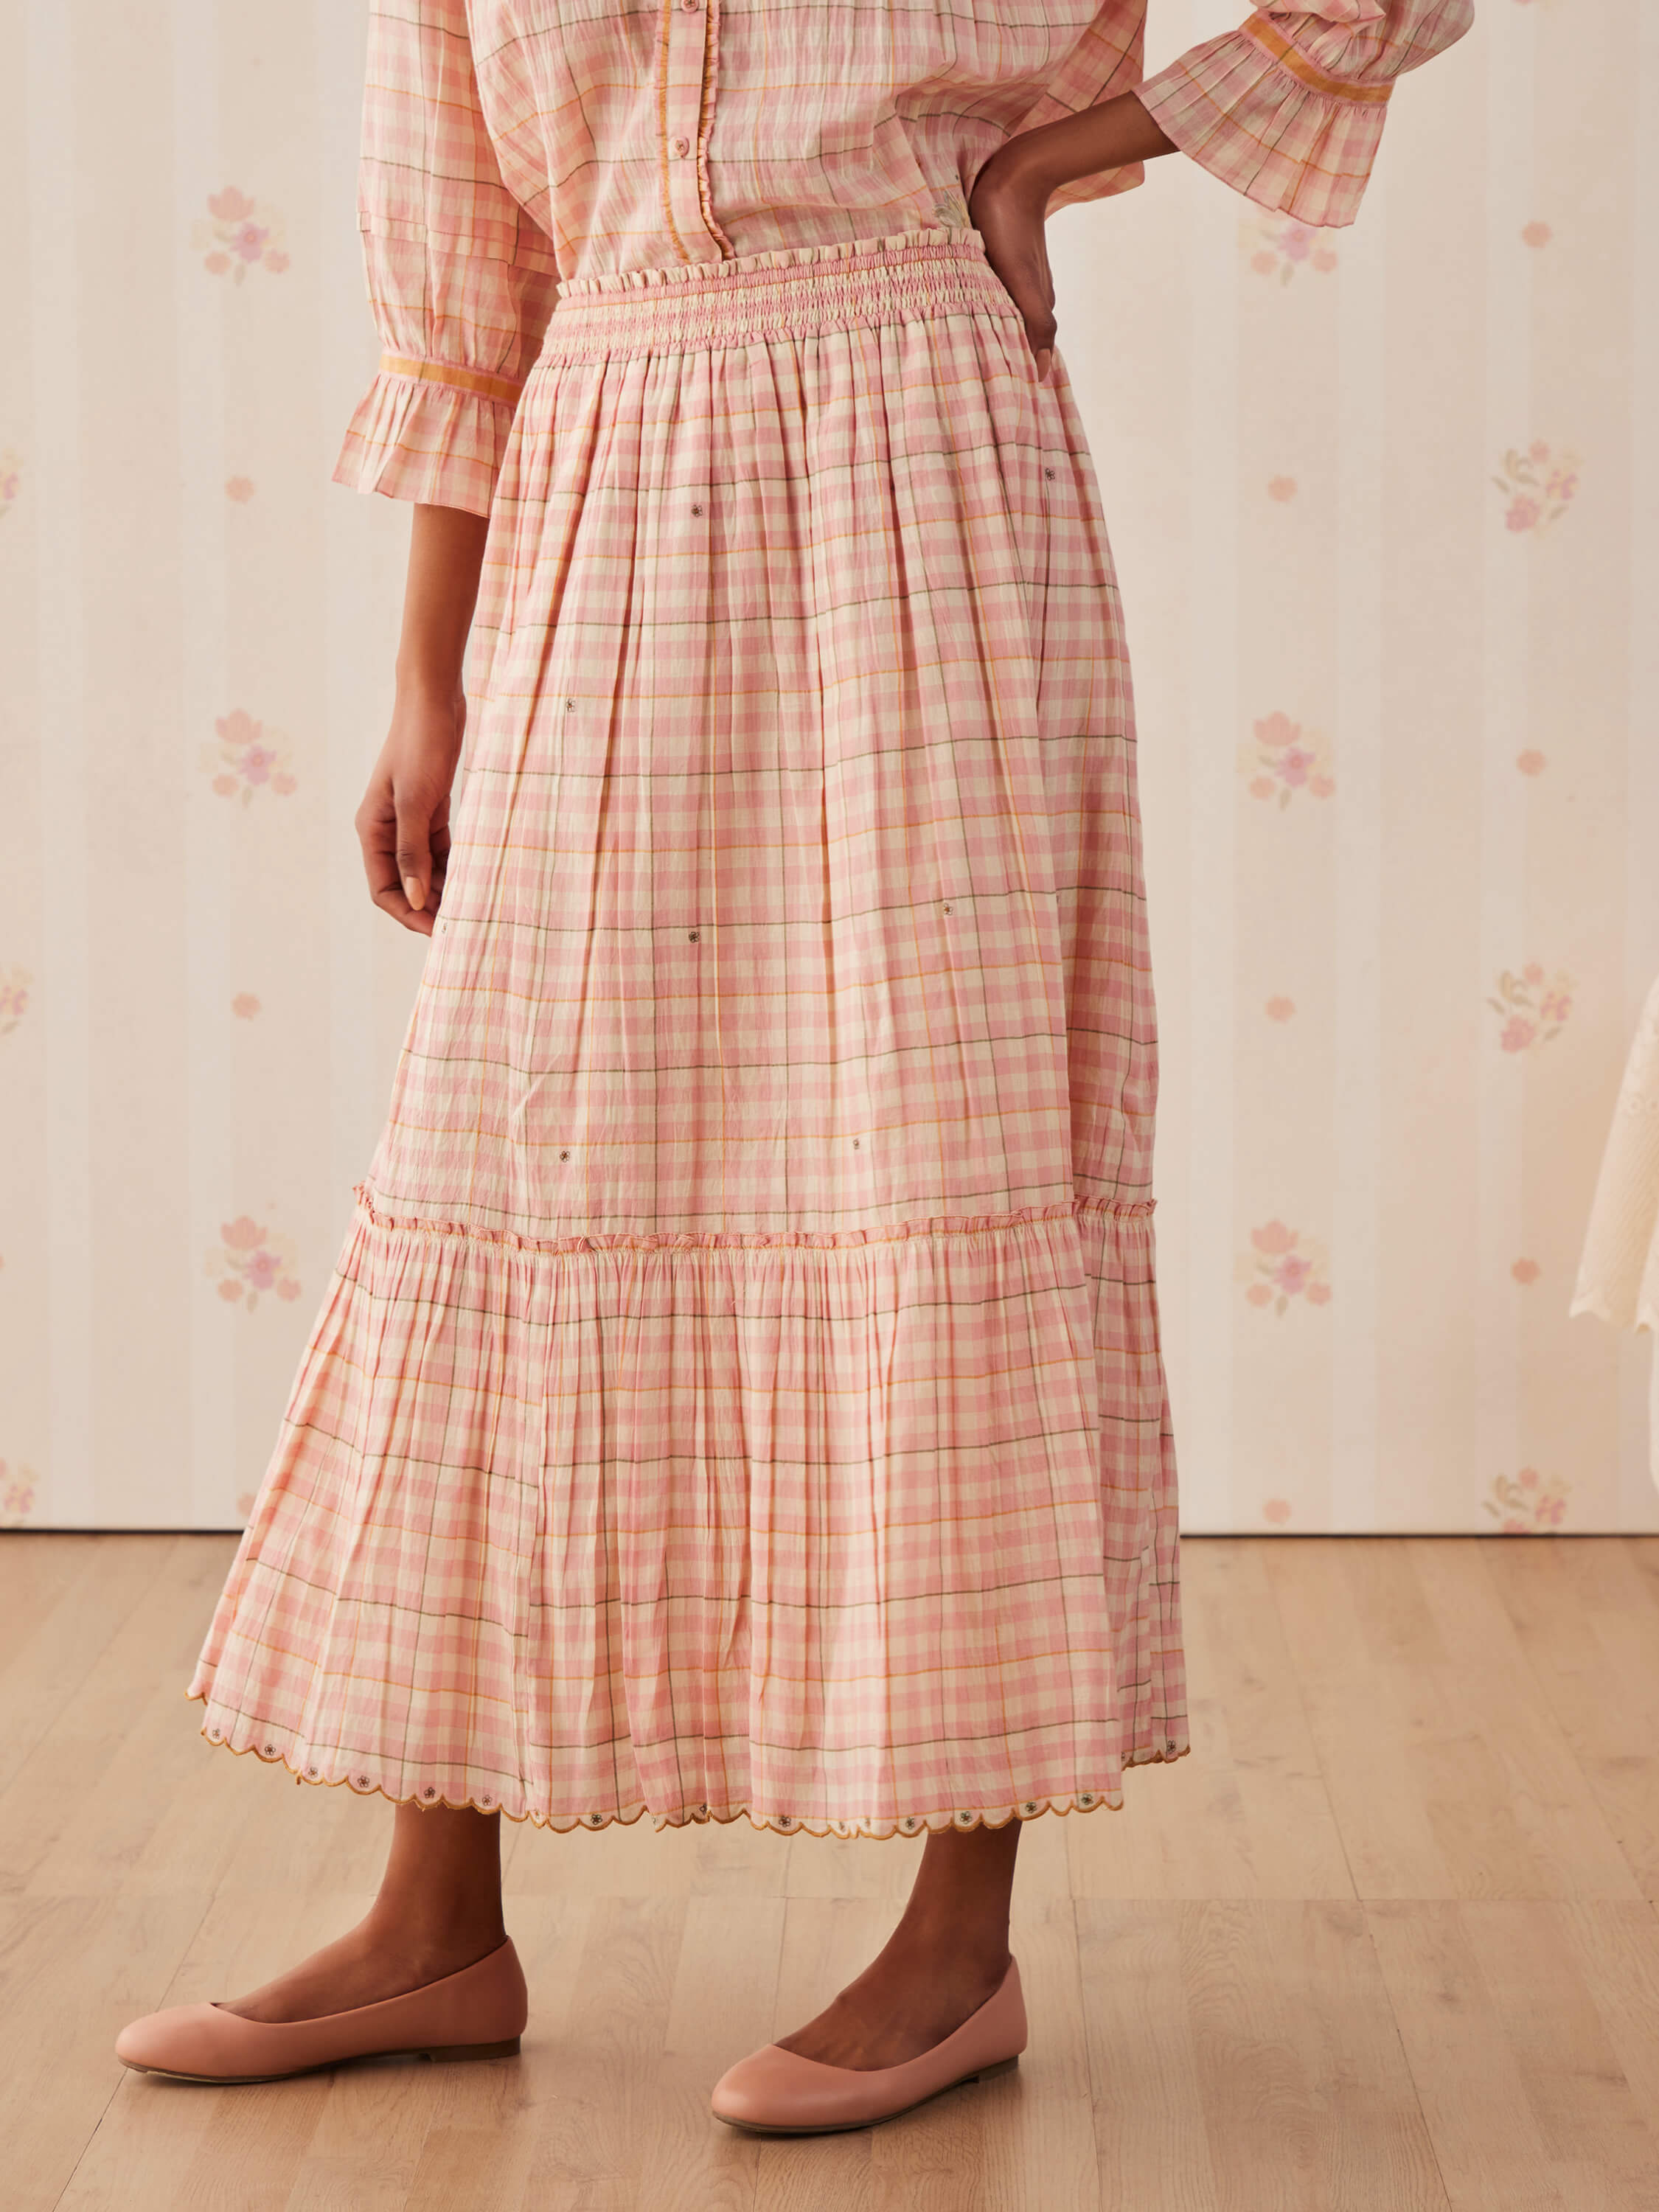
x=740 y=1389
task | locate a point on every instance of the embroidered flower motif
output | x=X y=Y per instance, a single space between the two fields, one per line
x=1282 y=489
x=1279 y=1010
x=1525 y=1272
x=14 y=997
x=1281 y=1265
x=1536 y=233
x=18 y=1489
x=1531 y=1006
x=239 y=235
x=1539 y=486
x=248 y=757
x=1531 y=762
x=1286 y=759
x=11 y=480
x=1278 y=247
x=1527 y=1504
x=239 y=489
x=244 y=1005
x=249 y=1260
x=1277 y=1510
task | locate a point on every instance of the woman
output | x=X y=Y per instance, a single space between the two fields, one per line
x=739 y=1392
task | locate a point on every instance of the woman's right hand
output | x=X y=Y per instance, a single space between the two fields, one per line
x=403 y=823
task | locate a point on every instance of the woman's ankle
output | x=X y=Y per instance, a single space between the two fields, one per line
x=442 y=1937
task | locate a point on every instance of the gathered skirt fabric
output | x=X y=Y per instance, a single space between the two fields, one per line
x=740 y=1390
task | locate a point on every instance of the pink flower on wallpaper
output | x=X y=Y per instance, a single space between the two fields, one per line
x=1525 y=1272
x=249 y=1258
x=248 y=757
x=1527 y=1504
x=245 y=1504
x=19 y=1490
x=1277 y=1510
x=1536 y=233
x=1286 y=759
x=14 y=997
x=11 y=480
x=1282 y=489
x=239 y=489
x=1283 y=1264
x=1538 y=487
x=1279 y=1010
x=1276 y=247
x=1531 y=762
x=1531 y=1007
x=244 y=1005
x=239 y=235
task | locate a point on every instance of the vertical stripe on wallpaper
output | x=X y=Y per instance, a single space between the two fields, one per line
x=67 y=1496
x=1639 y=1397
x=1505 y=717
x=202 y=633
x=1207 y=1422
x=1357 y=1104
x=356 y=649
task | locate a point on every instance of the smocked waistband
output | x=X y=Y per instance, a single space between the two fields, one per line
x=789 y=292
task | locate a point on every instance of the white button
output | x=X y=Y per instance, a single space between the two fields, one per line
x=690 y=6
x=679 y=147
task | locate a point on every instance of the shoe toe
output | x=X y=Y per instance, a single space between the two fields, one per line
x=749 y=2092
x=166 y=2042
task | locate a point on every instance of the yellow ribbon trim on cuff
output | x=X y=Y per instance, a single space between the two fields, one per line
x=1299 y=67
x=464 y=380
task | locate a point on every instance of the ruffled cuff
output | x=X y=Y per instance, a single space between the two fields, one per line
x=429 y=432
x=1257 y=114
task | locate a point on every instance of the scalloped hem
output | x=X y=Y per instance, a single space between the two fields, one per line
x=876 y=1829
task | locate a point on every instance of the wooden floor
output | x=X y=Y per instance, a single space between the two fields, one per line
x=1386 y=1940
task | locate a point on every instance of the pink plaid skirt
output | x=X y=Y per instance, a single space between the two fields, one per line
x=740 y=1390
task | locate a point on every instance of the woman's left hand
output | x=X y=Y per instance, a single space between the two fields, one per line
x=1009 y=203
x=1008 y=209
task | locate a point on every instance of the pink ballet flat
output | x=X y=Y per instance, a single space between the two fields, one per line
x=777 y=2092
x=478 y=2013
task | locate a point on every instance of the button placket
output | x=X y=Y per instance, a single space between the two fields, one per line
x=688 y=27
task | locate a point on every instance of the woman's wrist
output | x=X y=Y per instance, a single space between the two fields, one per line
x=420 y=685
x=1034 y=165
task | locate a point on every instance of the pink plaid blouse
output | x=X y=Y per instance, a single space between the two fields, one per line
x=499 y=158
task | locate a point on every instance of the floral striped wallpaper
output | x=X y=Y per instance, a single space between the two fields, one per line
x=1384 y=502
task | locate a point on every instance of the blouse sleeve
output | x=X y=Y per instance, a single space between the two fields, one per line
x=1289 y=109
x=461 y=279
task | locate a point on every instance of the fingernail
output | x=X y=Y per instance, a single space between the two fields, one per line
x=1042 y=361
x=413 y=892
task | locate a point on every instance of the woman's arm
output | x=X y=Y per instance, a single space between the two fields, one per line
x=403 y=823
x=1010 y=197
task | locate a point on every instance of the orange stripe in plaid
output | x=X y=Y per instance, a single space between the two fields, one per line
x=1299 y=67
x=504 y=388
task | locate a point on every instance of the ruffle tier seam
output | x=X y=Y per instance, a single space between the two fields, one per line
x=952 y=1225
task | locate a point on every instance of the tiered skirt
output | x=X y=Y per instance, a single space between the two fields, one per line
x=740 y=1389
